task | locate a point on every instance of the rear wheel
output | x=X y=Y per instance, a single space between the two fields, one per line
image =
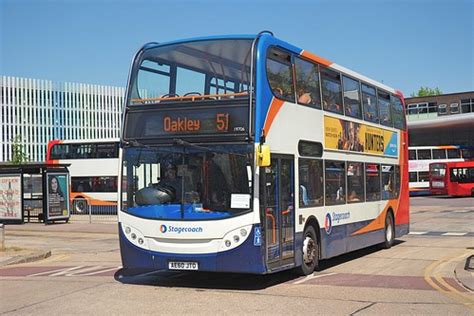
x=389 y=231
x=310 y=251
x=80 y=206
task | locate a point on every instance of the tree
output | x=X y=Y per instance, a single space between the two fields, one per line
x=426 y=91
x=19 y=155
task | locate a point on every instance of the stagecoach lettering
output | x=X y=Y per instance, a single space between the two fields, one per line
x=181 y=124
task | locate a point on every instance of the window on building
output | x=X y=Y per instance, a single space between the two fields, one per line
x=280 y=74
x=332 y=91
x=335 y=182
x=369 y=98
x=307 y=83
x=467 y=105
x=310 y=182
x=355 y=182
x=372 y=178
x=442 y=109
x=351 y=97
x=454 y=108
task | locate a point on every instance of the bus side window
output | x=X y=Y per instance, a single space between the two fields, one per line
x=280 y=74
x=332 y=90
x=335 y=182
x=310 y=182
x=372 y=176
x=369 y=98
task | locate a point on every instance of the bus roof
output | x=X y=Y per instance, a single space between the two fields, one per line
x=294 y=49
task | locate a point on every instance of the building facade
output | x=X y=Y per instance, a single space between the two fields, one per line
x=37 y=111
x=446 y=119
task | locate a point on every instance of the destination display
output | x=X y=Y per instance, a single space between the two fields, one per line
x=352 y=136
x=196 y=121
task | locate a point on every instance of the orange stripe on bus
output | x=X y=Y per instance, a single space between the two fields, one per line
x=313 y=57
x=91 y=200
x=395 y=204
x=275 y=107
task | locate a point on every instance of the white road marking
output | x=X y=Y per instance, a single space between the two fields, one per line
x=311 y=277
x=101 y=271
x=417 y=233
x=454 y=234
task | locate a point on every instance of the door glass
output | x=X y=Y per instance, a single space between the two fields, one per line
x=269 y=185
x=286 y=207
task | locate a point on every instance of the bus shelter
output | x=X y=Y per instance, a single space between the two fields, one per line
x=34 y=191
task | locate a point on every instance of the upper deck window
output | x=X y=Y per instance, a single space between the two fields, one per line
x=192 y=71
x=371 y=112
x=384 y=106
x=332 y=91
x=307 y=83
x=352 y=97
x=280 y=74
x=397 y=113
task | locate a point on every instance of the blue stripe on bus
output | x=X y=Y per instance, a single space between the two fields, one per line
x=263 y=93
x=246 y=258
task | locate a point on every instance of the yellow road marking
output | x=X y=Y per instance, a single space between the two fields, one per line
x=432 y=273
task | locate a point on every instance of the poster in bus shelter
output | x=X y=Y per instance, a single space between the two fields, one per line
x=340 y=134
x=57 y=196
x=10 y=198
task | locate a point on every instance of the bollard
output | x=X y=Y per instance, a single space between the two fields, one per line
x=2 y=237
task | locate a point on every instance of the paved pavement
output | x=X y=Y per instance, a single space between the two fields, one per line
x=419 y=275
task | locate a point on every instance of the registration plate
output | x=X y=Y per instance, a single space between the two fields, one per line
x=182 y=265
x=438 y=184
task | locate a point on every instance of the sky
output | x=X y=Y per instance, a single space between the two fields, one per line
x=405 y=44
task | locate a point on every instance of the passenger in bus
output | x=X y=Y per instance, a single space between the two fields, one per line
x=353 y=197
x=304 y=199
x=304 y=97
x=340 y=194
x=387 y=189
x=172 y=180
x=278 y=92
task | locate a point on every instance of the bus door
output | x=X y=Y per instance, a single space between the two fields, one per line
x=277 y=207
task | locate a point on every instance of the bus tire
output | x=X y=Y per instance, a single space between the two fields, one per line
x=80 y=206
x=310 y=251
x=389 y=232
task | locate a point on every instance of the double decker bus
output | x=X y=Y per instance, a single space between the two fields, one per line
x=94 y=168
x=249 y=154
x=452 y=178
x=420 y=158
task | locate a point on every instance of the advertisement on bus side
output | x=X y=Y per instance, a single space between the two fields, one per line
x=345 y=135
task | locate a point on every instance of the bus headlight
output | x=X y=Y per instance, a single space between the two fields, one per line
x=134 y=236
x=235 y=238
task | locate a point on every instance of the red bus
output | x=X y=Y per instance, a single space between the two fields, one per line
x=452 y=178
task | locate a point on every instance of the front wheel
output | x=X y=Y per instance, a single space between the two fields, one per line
x=389 y=231
x=310 y=251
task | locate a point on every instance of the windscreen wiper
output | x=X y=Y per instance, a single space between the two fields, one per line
x=182 y=142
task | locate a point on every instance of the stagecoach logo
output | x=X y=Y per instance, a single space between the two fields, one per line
x=178 y=230
x=163 y=229
x=328 y=223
